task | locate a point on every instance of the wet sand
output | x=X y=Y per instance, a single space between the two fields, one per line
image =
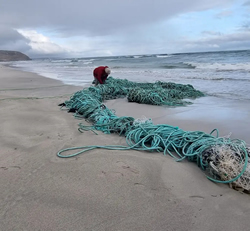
x=102 y=189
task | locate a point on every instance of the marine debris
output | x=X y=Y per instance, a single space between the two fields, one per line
x=222 y=159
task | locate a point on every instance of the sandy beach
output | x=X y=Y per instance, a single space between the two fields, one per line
x=102 y=189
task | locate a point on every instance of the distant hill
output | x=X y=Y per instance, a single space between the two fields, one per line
x=6 y=56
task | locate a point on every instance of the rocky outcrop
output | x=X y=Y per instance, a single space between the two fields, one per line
x=6 y=56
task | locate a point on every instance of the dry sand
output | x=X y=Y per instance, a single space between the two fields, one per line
x=107 y=190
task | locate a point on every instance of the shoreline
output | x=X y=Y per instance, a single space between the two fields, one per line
x=103 y=189
x=31 y=84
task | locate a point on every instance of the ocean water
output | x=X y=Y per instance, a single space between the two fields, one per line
x=224 y=74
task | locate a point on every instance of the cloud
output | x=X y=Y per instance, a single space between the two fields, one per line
x=247 y=3
x=112 y=27
x=95 y=17
x=40 y=44
x=216 y=33
x=239 y=40
x=223 y=14
x=11 y=38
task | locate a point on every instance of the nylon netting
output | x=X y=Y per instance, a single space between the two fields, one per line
x=222 y=159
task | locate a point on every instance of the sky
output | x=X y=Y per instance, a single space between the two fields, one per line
x=81 y=28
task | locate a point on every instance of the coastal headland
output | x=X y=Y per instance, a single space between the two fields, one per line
x=6 y=56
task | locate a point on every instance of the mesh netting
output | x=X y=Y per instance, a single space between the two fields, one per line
x=158 y=93
x=224 y=160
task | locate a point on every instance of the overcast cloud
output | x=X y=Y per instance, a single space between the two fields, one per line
x=51 y=28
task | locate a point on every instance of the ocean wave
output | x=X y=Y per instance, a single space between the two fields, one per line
x=163 y=56
x=127 y=56
x=61 y=61
x=88 y=62
x=117 y=67
x=110 y=59
x=217 y=79
x=222 y=66
x=137 y=56
x=178 y=66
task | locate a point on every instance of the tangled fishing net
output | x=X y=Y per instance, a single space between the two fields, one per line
x=222 y=159
x=229 y=163
x=158 y=93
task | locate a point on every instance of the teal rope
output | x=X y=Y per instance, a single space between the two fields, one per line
x=146 y=139
x=146 y=136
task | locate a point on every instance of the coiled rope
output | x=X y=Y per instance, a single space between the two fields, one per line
x=206 y=150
